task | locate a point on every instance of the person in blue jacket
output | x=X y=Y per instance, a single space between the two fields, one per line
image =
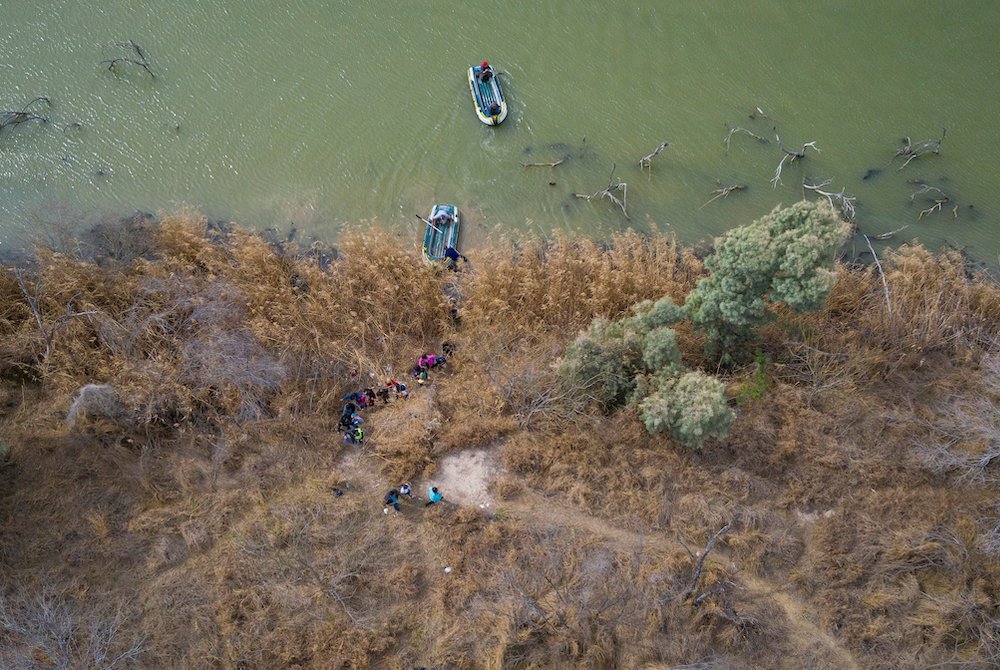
x=433 y=496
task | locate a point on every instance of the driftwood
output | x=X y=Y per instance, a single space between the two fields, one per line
x=647 y=160
x=886 y=236
x=790 y=156
x=613 y=185
x=548 y=165
x=912 y=151
x=937 y=197
x=744 y=131
x=724 y=191
x=885 y=284
x=137 y=50
x=14 y=118
x=846 y=203
x=699 y=562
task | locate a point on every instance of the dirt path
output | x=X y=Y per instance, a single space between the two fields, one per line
x=466 y=478
x=806 y=634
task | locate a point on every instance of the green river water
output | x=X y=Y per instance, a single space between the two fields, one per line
x=327 y=113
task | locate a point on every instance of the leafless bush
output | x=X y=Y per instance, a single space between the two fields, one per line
x=45 y=632
x=96 y=400
x=235 y=360
x=989 y=540
x=522 y=373
x=965 y=442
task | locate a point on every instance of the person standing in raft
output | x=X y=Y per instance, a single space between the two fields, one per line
x=442 y=218
x=485 y=72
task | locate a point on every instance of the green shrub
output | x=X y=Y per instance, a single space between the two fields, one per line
x=602 y=362
x=692 y=407
x=786 y=256
x=756 y=386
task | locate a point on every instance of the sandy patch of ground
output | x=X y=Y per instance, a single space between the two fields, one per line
x=466 y=477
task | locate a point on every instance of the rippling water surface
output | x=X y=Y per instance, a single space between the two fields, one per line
x=323 y=114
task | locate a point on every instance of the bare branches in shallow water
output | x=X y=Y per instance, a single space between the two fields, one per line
x=744 y=131
x=140 y=59
x=844 y=202
x=12 y=118
x=936 y=197
x=724 y=191
x=647 y=160
x=886 y=236
x=613 y=185
x=912 y=151
x=121 y=59
x=548 y=165
x=791 y=157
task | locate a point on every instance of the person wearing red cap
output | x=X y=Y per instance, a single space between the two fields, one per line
x=485 y=72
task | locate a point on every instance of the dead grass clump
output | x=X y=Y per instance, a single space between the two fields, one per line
x=565 y=283
x=936 y=304
x=403 y=436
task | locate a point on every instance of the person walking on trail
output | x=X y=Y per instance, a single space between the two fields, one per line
x=433 y=496
x=391 y=500
x=357 y=436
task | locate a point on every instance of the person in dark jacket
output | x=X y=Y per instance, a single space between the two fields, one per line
x=391 y=499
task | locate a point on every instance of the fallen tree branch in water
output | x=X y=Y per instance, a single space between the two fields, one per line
x=937 y=201
x=548 y=165
x=613 y=185
x=647 y=160
x=886 y=236
x=121 y=59
x=14 y=118
x=790 y=156
x=734 y=131
x=912 y=151
x=142 y=61
x=724 y=191
x=846 y=202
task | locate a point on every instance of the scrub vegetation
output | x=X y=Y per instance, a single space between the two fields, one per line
x=169 y=399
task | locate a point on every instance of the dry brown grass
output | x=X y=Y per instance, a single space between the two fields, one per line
x=186 y=519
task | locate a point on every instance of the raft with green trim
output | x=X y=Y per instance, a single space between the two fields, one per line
x=491 y=107
x=440 y=234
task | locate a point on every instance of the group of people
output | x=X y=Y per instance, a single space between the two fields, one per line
x=405 y=490
x=421 y=371
x=350 y=420
x=484 y=75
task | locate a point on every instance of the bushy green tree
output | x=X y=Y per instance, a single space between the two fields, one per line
x=692 y=407
x=637 y=360
x=652 y=315
x=786 y=256
x=603 y=361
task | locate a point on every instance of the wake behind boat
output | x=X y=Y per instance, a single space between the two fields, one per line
x=491 y=108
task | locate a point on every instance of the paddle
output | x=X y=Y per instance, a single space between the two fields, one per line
x=428 y=222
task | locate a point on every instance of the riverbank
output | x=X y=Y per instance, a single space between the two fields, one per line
x=169 y=410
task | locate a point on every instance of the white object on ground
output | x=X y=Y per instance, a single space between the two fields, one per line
x=385 y=510
x=448 y=569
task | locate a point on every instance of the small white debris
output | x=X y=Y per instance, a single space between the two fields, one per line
x=385 y=510
x=447 y=570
